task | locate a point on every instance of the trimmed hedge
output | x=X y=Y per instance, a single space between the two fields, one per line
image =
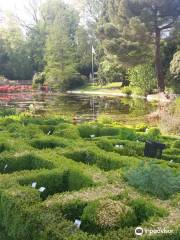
x=49 y=142
x=86 y=130
x=10 y=163
x=57 y=181
x=103 y=215
x=130 y=148
x=104 y=160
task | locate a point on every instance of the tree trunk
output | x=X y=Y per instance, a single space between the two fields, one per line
x=158 y=62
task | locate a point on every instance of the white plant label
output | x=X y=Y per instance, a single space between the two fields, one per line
x=34 y=184
x=92 y=136
x=5 y=167
x=77 y=223
x=42 y=189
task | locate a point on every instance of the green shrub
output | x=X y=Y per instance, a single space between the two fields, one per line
x=69 y=132
x=4 y=147
x=154 y=132
x=154 y=180
x=47 y=129
x=175 y=158
x=104 y=160
x=22 y=208
x=10 y=163
x=169 y=236
x=86 y=130
x=144 y=210
x=18 y=130
x=13 y=212
x=73 y=81
x=7 y=112
x=111 y=71
x=127 y=90
x=48 y=142
x=176 y=144
x=143 y=76
x=38 y=78
x=130 y=148
x=175 y=72
x=72 y=210
x=57 y=181
x=103 y=215
x=172 y=151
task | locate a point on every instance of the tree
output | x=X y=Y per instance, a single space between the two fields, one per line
x=175 y=71
x=137 y=25
x=14 y=56
x=62 y=23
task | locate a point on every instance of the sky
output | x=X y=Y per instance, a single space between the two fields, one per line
x=18 y=6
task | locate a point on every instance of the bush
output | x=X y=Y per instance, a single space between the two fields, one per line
x=22 y=208
x=143 y=76
x=57 y=181
x=144 y=210
x=102 y=159
x=175 y=72
x=176 y=144
x=130 y=148
x=73 y=82
x=48 y=142
x=7 y=112
x=86 y=130
x=103 y=215
x=69 y=132
x=39 y=79
x=4 y=147
x=111 y=71
x=127 y=90
x=27 y=161
x=17 y=130
x=154 y=180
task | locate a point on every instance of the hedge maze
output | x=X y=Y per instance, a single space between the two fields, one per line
x=53 y=173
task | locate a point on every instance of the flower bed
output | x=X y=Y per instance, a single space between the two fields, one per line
x=18 y=88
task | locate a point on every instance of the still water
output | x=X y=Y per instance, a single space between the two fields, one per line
x=84 y=107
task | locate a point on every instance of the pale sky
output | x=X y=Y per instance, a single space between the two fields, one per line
x=18 y=6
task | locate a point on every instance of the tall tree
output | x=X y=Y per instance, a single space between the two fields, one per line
x=136 y=25
x=62 y=23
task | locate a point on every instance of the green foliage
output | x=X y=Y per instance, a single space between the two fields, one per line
x=28 y=161
x=142 y=76
x=57 y=181
x=7 y=112
x=48 y=142
x=107 y=207
x=144 y=210
x=86 y=131
x=39 y=79
x=128 y=148
x=103 y=215
x=154 y=180
x=127 y=90
x=104 y=160
x=14 y=56
x=111 y=71
x=73 y=81
x=175 y=72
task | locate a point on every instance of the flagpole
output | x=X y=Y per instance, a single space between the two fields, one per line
x=93 y=66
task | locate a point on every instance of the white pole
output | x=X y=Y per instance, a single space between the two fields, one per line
x=93 y=66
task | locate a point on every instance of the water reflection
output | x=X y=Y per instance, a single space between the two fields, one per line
x=86 y=107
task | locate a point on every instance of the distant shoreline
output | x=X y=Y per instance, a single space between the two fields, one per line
x=154 y=97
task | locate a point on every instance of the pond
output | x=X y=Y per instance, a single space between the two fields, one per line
x=84 y=107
